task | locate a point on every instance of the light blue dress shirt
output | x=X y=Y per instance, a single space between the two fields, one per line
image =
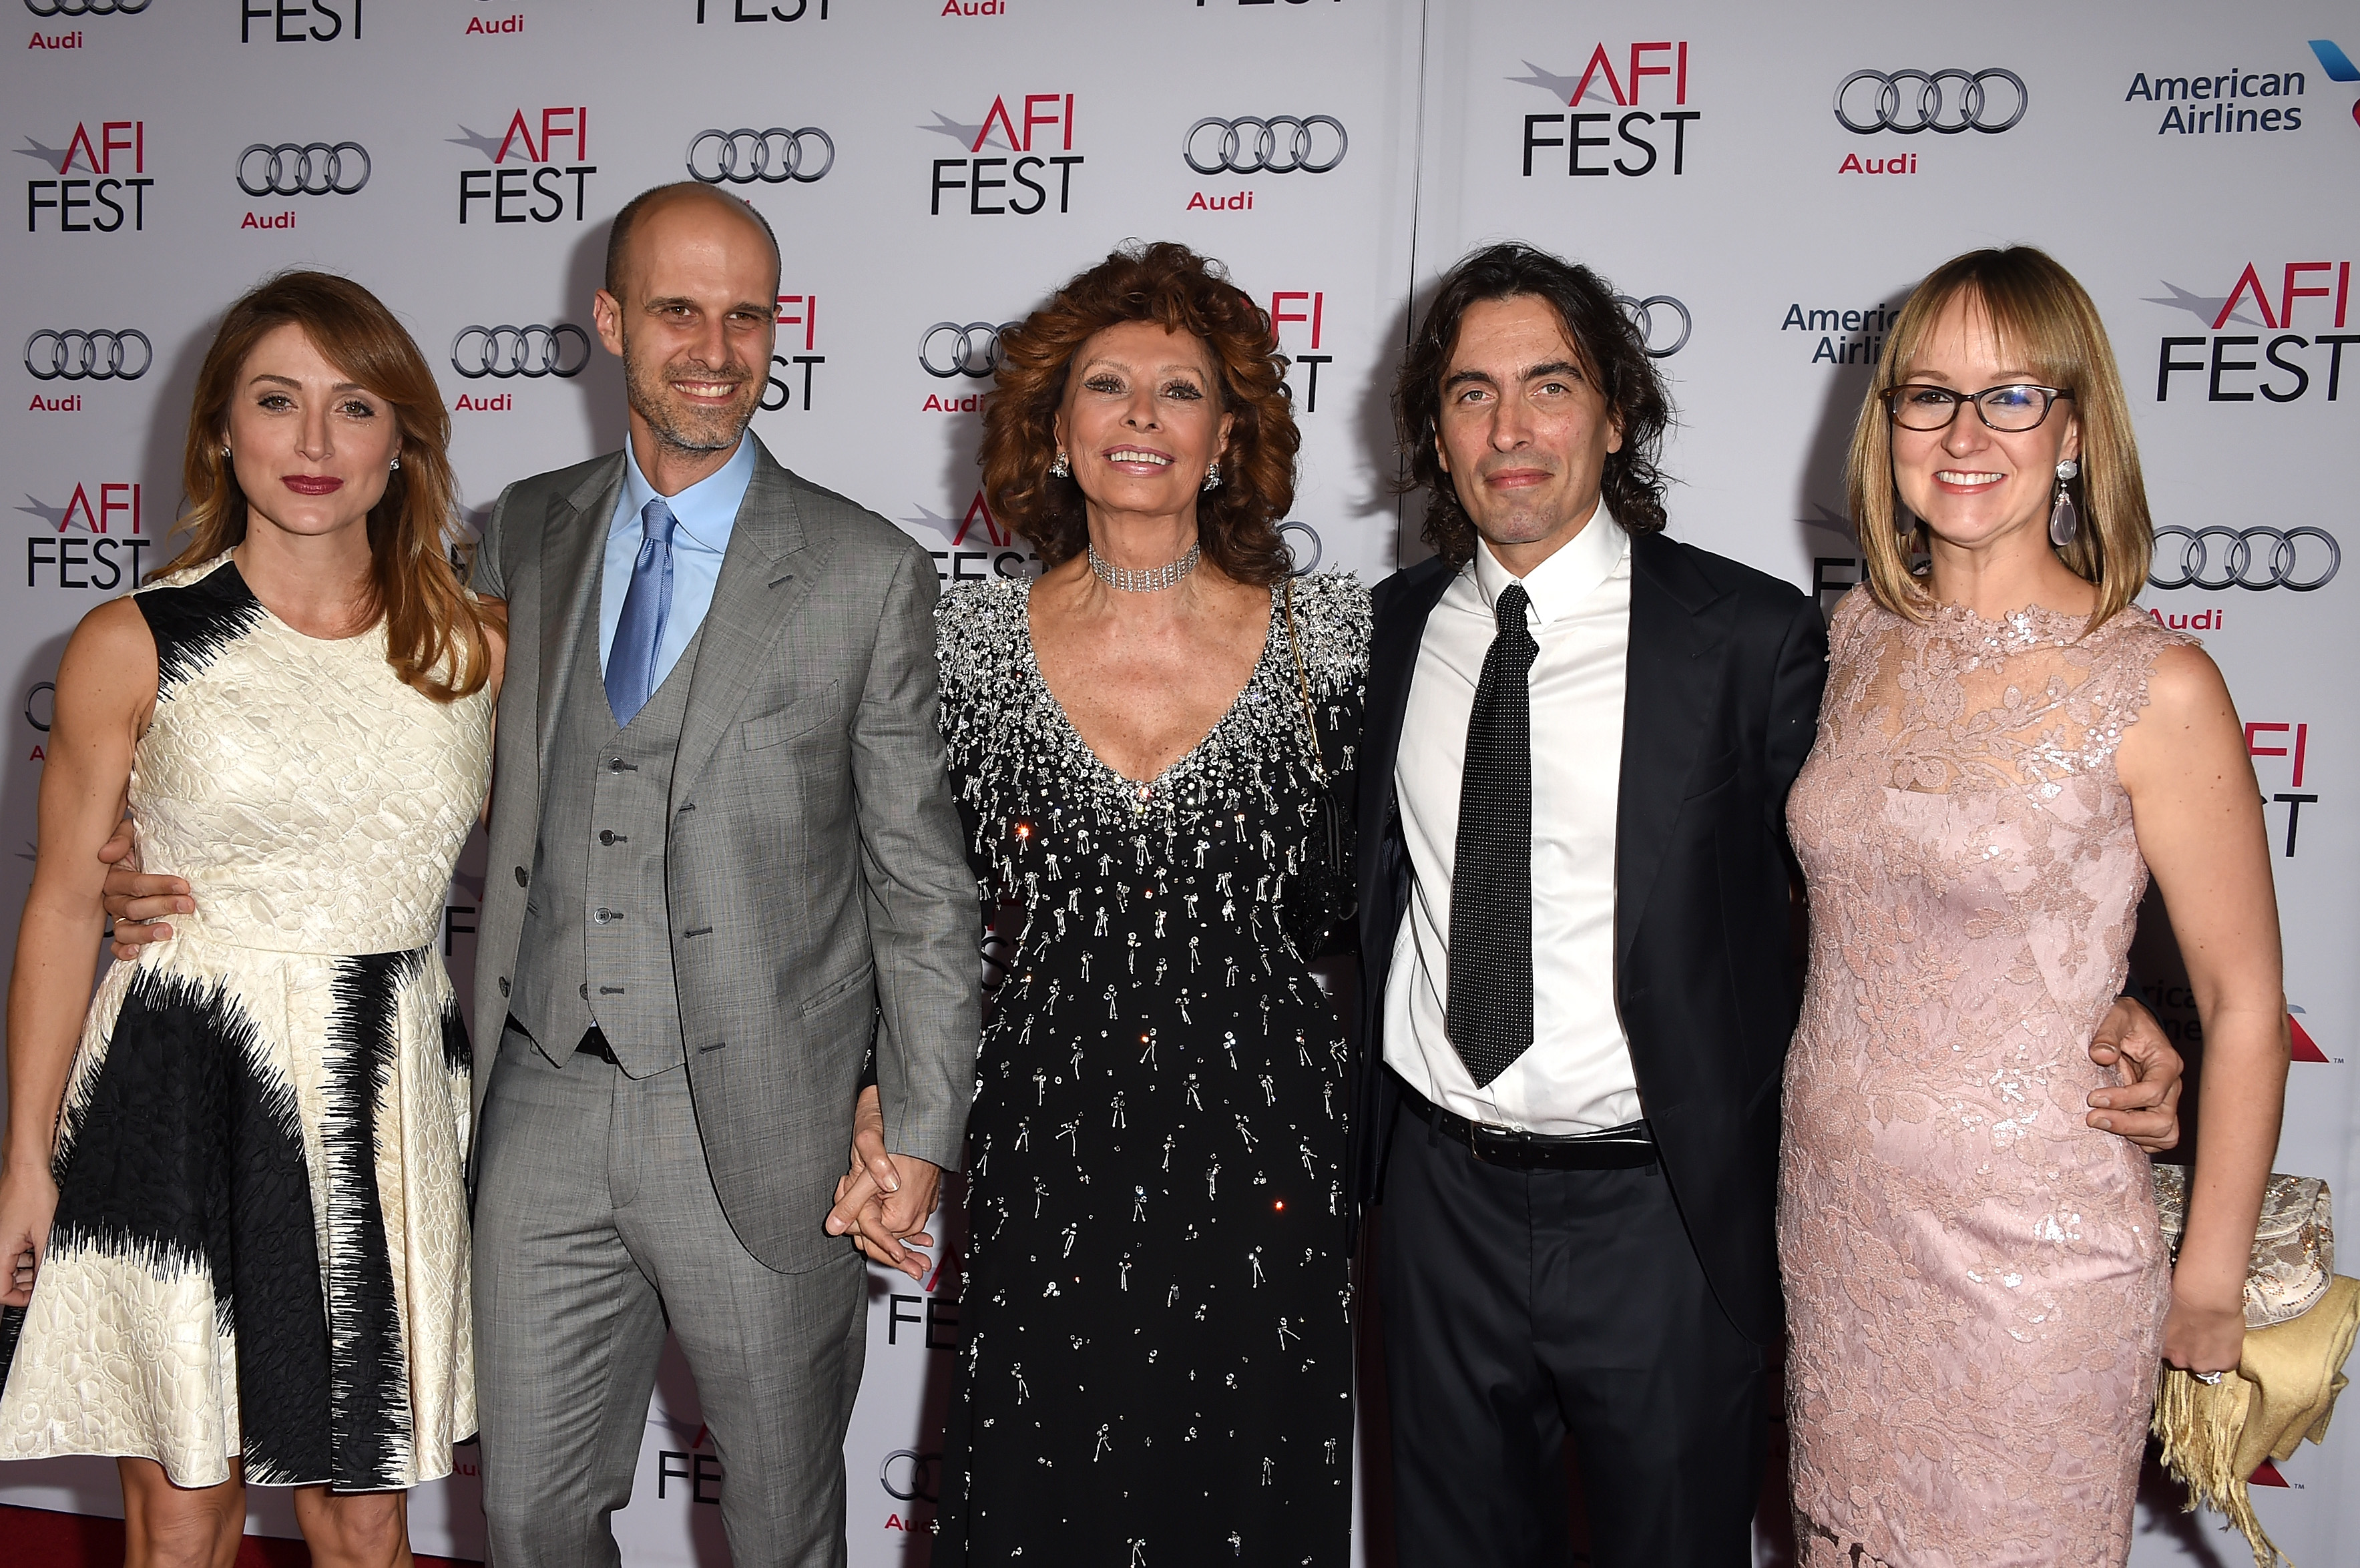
x=705 y=512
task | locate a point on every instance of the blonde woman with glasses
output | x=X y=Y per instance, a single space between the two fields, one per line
x=2009 y=748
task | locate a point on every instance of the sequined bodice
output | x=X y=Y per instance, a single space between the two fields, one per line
x=1220 y=835
x=313 y=802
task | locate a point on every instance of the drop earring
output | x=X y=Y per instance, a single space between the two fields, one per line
x=1060 y=469
x=1212 y=476
x=2064 y=523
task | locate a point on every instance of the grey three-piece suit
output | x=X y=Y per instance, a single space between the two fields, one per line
x=743 y=887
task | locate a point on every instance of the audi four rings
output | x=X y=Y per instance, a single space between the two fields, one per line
x=1643 y=316
x=1234 y=153
x=2286 y=564
x=307 y=168
x=949 y=349
x=531 y=352
x=1302 y=568
x=85 y=8
x=87 y=356
x=920 y=1483
x=743 y=155
x=1973 y=106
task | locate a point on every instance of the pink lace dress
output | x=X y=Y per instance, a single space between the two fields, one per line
x=1976 y=1289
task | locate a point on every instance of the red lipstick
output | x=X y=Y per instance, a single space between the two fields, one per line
x=313 y=483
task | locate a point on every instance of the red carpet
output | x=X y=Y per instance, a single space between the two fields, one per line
x=34 y=1538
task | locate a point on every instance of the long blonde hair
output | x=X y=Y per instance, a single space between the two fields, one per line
x=2045 y=317
x=436 y=633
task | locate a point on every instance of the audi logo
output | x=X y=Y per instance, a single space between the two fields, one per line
x=40 y=687
x=949 y=349
x=1264 y=152
x=1643 y=316
x=743 y=155
x=310 y=169
x=85 y=8
x=531 y=352
x=1302 y=568
x=1973 y=107
x=87 y=356
x=2286 y=564
x=910 y=1476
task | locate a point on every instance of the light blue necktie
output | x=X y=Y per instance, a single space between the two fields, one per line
x=632 y=662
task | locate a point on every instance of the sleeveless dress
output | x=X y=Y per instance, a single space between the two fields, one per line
x=1975 y=1288
x=260 y=1247
x=1157 y=1367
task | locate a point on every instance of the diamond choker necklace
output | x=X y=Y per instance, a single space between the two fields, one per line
x=1152 y=578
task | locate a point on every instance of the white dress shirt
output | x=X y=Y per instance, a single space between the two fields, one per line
x=705 y=514
x=1577 y=1076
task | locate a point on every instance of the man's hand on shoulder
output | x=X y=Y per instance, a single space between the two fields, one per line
x=2144 y=1108
x=137 y=903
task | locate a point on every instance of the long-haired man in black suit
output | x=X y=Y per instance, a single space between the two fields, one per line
x=1578 y=934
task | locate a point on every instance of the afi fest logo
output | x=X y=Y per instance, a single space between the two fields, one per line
x=525 y=179
x=2235 y=102
x=2289 y=745
x=1648 y=108
x=296 y=22
x=1037 y=137
x=106 y=558
x=741 y=11
x=793 y=311
x=968 y=535
x=1306 y=309
x=2287 y=352
x=109 y=195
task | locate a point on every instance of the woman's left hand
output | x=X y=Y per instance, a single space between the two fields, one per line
x=2204 y=1339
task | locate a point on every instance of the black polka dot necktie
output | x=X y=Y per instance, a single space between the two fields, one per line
x=1490 y=996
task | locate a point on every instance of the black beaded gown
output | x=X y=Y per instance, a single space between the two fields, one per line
x=1157 y=1368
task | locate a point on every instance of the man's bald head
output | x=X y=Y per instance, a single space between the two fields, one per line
x=658 y=197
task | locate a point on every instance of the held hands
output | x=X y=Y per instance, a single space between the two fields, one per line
x=884 y=1198
x=138 y=903
x=2145 y=1107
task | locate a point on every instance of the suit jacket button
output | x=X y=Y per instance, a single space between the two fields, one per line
x=504 y=985
x=521 y=879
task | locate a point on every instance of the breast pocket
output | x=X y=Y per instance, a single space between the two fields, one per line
x=800 y=717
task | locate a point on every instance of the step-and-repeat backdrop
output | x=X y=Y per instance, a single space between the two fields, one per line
x=1763 y=184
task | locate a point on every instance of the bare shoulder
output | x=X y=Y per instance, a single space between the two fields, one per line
x=109 y=668
x=2184 y=687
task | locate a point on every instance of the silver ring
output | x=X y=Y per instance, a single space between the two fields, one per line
x=2209 y=1379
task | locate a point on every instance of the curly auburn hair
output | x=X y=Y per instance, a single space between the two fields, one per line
x=1173 y=286
x=1612 y=355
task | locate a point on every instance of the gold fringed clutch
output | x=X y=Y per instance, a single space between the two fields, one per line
x=2284 y=1390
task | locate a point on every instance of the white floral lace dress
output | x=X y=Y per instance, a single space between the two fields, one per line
x=1975 y=1287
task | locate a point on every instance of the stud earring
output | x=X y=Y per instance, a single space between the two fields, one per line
x=397 y=462
x=1212 y=476
x=1060 y=469
x=2063 y=524
x=224 y=449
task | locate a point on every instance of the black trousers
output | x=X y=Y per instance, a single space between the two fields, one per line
x=1524 y=1309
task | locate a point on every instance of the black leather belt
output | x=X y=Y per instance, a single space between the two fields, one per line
x=1625 y=1148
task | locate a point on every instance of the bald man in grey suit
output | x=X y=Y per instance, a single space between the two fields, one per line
x=723 y=857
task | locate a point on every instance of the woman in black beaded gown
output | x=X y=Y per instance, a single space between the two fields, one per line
x=1158 y=1359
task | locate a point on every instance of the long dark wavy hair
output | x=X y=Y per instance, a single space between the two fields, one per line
x=1237 y=525
x=1612 y=355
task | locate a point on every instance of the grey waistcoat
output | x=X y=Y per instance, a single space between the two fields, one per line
x=597 y=943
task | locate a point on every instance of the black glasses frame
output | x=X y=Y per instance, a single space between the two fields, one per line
x=1891 y=396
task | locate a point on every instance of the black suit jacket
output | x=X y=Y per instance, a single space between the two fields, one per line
x=1726 y=665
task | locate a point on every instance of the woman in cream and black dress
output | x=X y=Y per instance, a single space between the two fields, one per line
x=232 y=1199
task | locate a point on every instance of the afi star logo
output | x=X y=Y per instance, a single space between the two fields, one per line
x=95 y=174
x=526 y=181
x=1037 y=136
x=1637 y=128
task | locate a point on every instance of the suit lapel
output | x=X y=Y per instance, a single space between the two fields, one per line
x=764 y=575
x=1676 y=646
x=574 y=552
x=1393 y=665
